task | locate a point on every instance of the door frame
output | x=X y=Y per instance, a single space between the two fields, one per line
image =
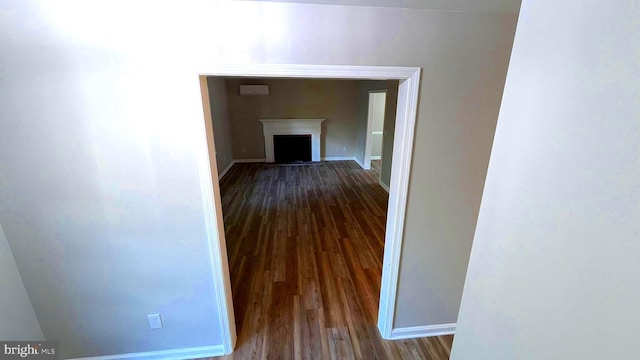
x=406 y=113
x=368 y=144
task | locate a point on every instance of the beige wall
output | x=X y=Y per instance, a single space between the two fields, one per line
x=221 y=122
x=556 y=257
x=333 y=100
x=100 y=197
x=460 y=95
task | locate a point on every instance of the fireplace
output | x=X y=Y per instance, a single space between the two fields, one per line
x=309 y=128
x=291 y=148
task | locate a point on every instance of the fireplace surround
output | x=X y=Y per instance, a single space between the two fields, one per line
x=271 y=127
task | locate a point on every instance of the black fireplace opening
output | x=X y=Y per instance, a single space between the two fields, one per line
x=291 y=148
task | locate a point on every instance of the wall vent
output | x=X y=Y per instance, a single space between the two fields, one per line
x=254 y=89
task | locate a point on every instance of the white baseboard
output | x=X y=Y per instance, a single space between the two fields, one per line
x=422 y=331
x=359 y=162
x=327 y=158
x=226 y=170
x=377 y=157
x=337 y=158
x=237 y=161
x=383 y=185
x=173 y=354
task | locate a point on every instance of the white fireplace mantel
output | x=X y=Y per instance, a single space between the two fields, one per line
x=271 y=127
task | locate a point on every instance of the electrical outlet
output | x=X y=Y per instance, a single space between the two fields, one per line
x=244 y=150
x=155 y=321
x=344 y=148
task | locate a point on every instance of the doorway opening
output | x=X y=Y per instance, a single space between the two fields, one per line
x=375 y=127
x=402 y=151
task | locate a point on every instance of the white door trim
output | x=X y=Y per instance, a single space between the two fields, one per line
x=401 y=165
x=211 y=200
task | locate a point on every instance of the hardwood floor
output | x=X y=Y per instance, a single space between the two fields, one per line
x=305 y=248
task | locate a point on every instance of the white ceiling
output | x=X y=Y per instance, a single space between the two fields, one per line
x=511 y=6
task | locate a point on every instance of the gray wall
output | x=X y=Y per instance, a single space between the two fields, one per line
x=99 y=156
x=333 y=100
x=555 y=263
x=221 y=122
x=17 y=319
x=391 y=86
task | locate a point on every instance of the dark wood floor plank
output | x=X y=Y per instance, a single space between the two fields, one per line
x=305 y=246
